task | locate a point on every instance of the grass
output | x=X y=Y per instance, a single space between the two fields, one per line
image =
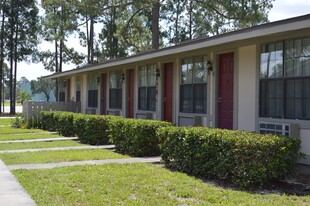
x=11 y=130
x=24 y=136
x=135 y=184
x=35 y=145
x=58 y=156
x=6 y=121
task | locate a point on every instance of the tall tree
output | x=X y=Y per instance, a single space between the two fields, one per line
x=42 y=86
x=21 y=30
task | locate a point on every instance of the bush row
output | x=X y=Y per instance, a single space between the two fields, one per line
x=243 y=158
x=134 y=137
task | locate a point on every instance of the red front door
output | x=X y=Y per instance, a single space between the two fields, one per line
x=103 y=85
x=68 y=90
x=226 y=92
x=130 y=93
x=168 y=92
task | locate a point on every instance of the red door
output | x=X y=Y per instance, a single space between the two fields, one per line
x=103 y=85
x=226 y=93
x=68 y=90
x=130 y=93
x=168 y=68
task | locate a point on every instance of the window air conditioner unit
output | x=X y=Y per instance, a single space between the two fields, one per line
x=289 y=130
x=197 y=121
x=149 y=115
x=90 y=111
x=117 y=113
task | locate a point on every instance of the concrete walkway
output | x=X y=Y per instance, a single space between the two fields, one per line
x=11 y=192
x=59 y=148
x=40 y=140
x=86 y=162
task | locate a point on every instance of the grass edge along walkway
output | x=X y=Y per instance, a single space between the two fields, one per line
x=59 y=148
x=40 y=140
x=86 y=162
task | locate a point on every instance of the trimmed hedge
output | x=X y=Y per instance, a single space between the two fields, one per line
x=92 y=129
x=136 y=137
x=243 y=158
x=62 y=122
x=47 y=121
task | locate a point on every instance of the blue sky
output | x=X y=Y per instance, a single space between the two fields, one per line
x=282 y=9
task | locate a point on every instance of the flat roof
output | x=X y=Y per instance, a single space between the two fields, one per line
x=286 y=25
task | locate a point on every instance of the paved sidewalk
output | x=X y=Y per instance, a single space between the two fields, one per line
x=11 y=192
x=59 y=148
x=87 y=162
x=40 y=140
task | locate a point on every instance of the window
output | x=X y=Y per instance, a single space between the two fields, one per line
x=285 y=79
x=193 y=87
x=147 y=88
x=78 y=90
x=92 y=91
x=61 y=89
x=115 y=90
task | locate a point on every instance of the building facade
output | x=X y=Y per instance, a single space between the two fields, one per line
x=255 y=79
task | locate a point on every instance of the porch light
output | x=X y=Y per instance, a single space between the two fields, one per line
x=209 y=66
x=64 y=83
x=157 y=73
x=98 y=80
x=123 y=78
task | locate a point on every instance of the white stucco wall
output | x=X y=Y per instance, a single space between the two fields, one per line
x=305 y=144
x=247 y=88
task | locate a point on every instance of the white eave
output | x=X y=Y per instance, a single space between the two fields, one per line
x=287 y=25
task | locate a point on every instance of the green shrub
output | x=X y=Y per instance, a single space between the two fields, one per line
x=136 y=137
x=64 y=123
x=92 y=129
x=243 y=158
x=47 y=121
x=18 y=122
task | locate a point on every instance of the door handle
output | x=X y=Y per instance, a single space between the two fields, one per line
x=219 y=99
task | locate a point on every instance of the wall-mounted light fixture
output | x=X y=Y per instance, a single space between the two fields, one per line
x=98 y=80
x=157 y=73
x=209 y=66
x=122 y=78
x=64 y=83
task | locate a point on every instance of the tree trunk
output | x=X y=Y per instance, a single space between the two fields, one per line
x=190 y=19
x=11 y=41
x=155 y=25
x=177 y=36
x=91 y=39
x=2 y=57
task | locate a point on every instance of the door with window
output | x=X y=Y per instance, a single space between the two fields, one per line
x=168 y=82
x=130 y=93
x=68 y=90
x=103 y=101
x=226 y=91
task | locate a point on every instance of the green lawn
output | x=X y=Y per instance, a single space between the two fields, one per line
x=34 y=145
x=29 y=135
x=135 y=184
x=6 y=121
x=58 y=156
x=10 y=130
